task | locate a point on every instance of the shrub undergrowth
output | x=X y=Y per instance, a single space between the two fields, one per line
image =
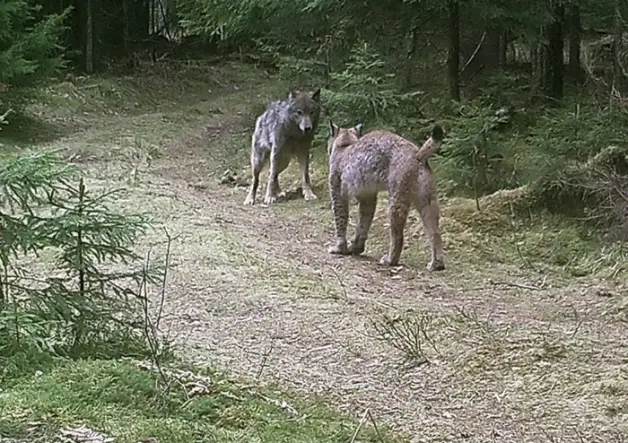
x=71 y=283
x=501 y=139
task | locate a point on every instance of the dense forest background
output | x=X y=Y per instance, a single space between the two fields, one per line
x=531 y=92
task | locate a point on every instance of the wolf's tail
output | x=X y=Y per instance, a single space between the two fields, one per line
x=432 y=144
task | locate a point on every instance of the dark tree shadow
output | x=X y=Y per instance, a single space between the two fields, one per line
x=24 y=130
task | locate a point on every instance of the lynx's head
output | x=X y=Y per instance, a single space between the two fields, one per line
x=305 y=109
x=342 y=137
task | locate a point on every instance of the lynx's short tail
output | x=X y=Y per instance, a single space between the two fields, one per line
x=432 y=144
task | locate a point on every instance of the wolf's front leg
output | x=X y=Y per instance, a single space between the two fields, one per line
x=272 y=190
x=304 y=164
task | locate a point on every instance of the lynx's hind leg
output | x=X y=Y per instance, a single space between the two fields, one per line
x=430 y=216
x=367 y=207
x=340 y=211
x=398 y=209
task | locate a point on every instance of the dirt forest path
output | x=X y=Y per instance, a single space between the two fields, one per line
x=514 y=356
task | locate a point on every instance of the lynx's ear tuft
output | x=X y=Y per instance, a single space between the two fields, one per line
x=333 y=129
x=437 y=133
x=358 y=129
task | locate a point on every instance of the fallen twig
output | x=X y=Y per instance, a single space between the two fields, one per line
x=360 y=424
x=375 y=426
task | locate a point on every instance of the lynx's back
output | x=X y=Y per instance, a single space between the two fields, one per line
x=378 y=160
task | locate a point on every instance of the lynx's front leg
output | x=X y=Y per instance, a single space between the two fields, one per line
x=304 y=164
x=340 y=210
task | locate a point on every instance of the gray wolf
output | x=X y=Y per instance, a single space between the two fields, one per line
x=285 y=130
x=361 y=166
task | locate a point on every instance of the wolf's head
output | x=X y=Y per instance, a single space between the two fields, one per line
x=342 y=137
x=305 y=109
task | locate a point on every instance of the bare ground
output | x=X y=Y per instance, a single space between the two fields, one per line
x=516 y=353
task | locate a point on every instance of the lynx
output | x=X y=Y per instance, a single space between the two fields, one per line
x=361 y=166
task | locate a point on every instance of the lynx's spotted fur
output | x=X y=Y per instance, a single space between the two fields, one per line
x=361 y=166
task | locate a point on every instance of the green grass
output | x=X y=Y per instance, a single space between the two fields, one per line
x=126 y=401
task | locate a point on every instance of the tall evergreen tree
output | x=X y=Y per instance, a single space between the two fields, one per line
x=29 y=42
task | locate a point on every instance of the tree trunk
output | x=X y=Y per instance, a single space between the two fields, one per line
x=453 y=62
x=153 y=16
x=76 y=37
x=618 y=74
x=554 y=63
x=89 y=38
x=142 y=20
x=503 y=49
x=128 y=23
x=574 y=28
x=411 y=45
x=492 y=49
x=166 y=11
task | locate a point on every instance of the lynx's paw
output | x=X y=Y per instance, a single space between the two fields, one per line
x=338 y=249
x=356 y=247
x=436 y=265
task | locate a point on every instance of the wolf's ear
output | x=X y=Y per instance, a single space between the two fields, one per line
x=358 y=129
x=316 y=95
x=333 y=129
